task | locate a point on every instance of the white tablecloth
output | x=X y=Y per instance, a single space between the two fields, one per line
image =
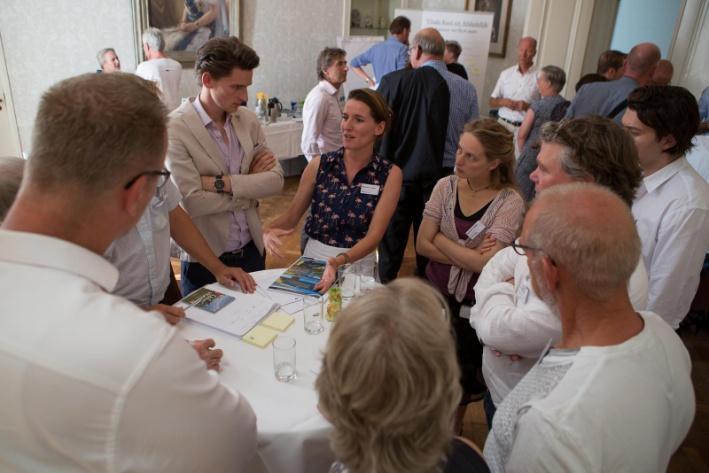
x=283 y=137
x=292 y=435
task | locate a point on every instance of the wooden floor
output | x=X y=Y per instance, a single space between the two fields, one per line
x=693 y=455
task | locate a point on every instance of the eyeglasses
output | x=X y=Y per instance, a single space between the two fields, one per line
x=163 y=177
x=521 y=249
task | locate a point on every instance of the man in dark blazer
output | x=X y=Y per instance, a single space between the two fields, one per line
x=419 y=98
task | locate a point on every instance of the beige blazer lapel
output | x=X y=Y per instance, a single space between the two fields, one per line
x=195 y=125
x=245 y=141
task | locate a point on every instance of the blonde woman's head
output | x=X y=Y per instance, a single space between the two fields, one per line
x=389 y=381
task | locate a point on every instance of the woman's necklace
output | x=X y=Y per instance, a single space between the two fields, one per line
x=476 y=190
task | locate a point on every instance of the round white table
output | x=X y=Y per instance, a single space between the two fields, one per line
x=292 y=435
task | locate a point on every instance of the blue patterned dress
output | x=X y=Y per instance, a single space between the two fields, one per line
x=341 y=213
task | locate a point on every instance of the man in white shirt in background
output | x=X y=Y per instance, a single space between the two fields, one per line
x=94 y=383
x=513 y=323
x=615 y=393
x=672 y=206
x=322 y=110
x=162 y=70
x=516 y=87
x=108 y=60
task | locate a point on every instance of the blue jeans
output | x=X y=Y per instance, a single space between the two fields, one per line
x=194 y=275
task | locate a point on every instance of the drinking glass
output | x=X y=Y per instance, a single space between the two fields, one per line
x=349 y=282
x=284 y=358
x=312 y=314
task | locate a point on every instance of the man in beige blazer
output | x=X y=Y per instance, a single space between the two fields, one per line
x=219 y=159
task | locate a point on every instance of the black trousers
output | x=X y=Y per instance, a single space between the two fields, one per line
x=194 y=275
x=470 y=353
x=409 y=210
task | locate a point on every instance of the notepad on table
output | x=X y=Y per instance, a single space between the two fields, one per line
x=278 y=321
x=260 y=336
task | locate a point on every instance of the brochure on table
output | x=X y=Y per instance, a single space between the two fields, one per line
x=301 y=277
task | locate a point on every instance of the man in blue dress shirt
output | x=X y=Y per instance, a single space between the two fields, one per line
x=387 y=56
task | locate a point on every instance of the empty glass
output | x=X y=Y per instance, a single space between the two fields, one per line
x=349 y=282
x=284 y=358
x=367 y=270
x=312 y=314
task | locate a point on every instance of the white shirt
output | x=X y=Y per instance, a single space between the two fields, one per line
x=671 y=210
x=322 y=115
x=166 y=73
x=142 y=256
x=512 y=84
x=698 y=156
x=620 y=408
x=92 y=383
x=513 y=320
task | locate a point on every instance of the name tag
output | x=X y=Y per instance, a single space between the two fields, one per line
x=369 y=189
x=475 y=230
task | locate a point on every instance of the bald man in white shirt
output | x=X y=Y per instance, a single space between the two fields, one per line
x=94 y=383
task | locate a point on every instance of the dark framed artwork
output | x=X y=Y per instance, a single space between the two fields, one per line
x=186 y=24
x=500 y=22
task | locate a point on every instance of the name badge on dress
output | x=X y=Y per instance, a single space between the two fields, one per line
x=369 y=189
x=475 y=230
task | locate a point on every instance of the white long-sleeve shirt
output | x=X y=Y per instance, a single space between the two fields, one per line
x=322 y=115
x=92 y=383
x=671 y=211
x=512 y=319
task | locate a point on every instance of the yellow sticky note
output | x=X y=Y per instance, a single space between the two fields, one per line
x=278 y=320
x=260 y=336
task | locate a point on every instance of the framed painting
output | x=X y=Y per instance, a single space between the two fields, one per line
x=185 y=24
x=500 y=22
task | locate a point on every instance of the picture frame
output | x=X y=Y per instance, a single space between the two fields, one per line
x=500 y=22
x=183 y=38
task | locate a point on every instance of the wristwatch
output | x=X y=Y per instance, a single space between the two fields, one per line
x=219 y=183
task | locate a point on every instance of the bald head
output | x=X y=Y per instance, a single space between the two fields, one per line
x=663 y=73
x=430 y=41
x=526 y=50
x=642 y=61
x=589 y=232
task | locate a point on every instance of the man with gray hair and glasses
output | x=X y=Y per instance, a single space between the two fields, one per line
x=427 y=50
x=614 y=393
x=513 y=323
x=159 y=68
x=97 y=384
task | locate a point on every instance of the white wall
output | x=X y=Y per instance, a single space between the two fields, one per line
x=645 y=20
x=288 y=35
x=47 y=41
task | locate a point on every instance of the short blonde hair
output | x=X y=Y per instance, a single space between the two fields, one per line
x=389 y=383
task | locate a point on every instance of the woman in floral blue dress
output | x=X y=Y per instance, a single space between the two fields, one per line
x=352 y=192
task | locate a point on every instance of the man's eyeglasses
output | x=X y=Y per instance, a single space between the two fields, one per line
x=163 y=177
x=521 y=249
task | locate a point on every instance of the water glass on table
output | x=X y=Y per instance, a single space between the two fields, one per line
x=284 y=358
x=367 y=270
x=349 y=282
x=312 y=314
